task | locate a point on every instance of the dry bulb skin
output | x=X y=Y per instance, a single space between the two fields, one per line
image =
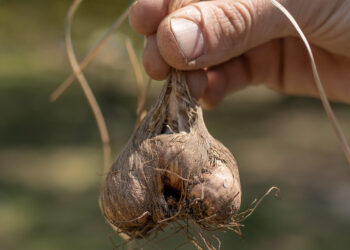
x=172 y=168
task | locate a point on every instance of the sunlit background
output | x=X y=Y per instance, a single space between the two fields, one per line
x=51 y=162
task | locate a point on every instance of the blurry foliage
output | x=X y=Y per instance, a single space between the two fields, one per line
x=51 y=160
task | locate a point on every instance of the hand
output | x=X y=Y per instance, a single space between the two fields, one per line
x=227 y=45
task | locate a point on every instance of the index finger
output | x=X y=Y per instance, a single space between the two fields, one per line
x=146 y=15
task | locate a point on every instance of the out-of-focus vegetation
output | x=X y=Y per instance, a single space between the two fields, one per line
x=51 y=159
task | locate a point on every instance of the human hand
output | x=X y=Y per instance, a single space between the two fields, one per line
x=227 y=45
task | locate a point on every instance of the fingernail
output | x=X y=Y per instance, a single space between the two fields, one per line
x=189 y=37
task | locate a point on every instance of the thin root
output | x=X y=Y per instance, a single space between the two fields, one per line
x=142 y=90
x=244 y=215
x=140 y=217
x=172 y=173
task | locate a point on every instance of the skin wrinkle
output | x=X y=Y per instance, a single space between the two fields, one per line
x=246 y=15
x=335 y=33
x=249 y=17
x=302 y=14
x=317 y=29
x=212 y=38
x=283 y=25
x=217 y=32
x=237 y=20
x=327 y=31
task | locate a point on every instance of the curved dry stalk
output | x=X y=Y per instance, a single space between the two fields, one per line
x=85 y=86
x=144 y=99
x=142 y=91
x=135 y=64
x=91 y=55
x=331 y=116
x=244 y=215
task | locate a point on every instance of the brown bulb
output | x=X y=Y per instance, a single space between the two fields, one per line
x=171 y=168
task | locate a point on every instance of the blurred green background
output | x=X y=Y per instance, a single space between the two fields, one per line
x=50 y=154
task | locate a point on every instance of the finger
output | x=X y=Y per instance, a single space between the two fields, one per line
x=264 y=64
x=146 y=15
x=212 y=32
x=153 y=62
x=197 y=82
x=282 y=65
x=228 y=77
x=296 y=77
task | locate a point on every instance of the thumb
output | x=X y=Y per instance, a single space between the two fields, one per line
x=211 y=32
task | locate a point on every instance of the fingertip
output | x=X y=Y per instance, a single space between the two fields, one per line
x=154 y=64
x=146 y=15
x=226 y=78
x=215 y=90
x=204 y=104
x=197 y=82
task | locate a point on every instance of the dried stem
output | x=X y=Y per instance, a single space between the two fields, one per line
x=85 y=86
x=144 y=99
x=331 y=116
x=135 y=65
x=141 y=101
x=142 y=90
x=87 y=91
x=91 y=55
